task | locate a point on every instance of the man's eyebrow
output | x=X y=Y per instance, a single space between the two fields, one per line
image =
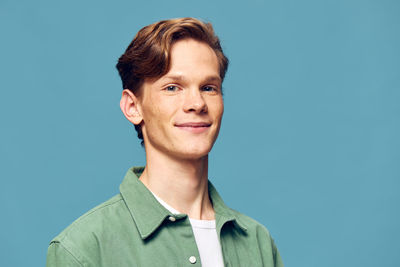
x=174 y=77
x=211 y=78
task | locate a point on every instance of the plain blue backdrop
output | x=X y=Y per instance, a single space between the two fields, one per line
x=310 y=140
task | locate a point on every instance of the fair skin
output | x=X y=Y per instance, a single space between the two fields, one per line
x=180 y=115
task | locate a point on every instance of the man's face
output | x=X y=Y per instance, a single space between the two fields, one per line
x=181 y=111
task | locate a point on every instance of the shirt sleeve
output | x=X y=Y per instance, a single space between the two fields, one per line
x=59 y=256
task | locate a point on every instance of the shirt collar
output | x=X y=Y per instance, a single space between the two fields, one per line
x=223 y=213
x=149 y=214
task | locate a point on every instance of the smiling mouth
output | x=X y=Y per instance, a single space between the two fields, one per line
x=193 y=124
x=194 y=127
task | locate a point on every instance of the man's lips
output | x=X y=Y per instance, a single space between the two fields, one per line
x=193 y=124
x=194 y=127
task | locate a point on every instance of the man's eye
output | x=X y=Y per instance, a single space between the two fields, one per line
x=209 y=89
x=171 y=88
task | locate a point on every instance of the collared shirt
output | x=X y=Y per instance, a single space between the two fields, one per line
x=134 y=229
x=206 y=236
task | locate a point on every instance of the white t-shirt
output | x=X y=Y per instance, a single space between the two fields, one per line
x=205 y=234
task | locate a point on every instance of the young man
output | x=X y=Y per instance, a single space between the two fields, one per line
x=168 y=213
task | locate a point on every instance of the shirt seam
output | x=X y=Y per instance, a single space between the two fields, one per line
x=69 y=252
x=78 y=221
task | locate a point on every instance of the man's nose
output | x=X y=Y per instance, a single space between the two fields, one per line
x=194 y=101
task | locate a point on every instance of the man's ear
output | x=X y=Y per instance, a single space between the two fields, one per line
x=130 y=106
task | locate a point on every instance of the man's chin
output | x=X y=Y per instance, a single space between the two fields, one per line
x=191 y=152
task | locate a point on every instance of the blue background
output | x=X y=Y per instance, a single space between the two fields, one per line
x=309 y=144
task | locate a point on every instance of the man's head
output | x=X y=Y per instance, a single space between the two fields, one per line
x=148 y=56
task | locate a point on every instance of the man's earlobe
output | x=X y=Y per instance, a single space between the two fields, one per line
x=130 y=107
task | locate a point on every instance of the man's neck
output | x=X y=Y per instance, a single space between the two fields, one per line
x=183 y=184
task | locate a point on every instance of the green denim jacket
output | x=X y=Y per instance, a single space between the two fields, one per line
x=134 y=229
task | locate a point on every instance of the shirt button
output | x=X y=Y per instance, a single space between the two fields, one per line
x=172 y=218
x=192 y=259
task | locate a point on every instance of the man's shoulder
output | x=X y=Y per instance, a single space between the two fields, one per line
x=250 y=223
x=81 y=241
x=258 y=236
x=96 y=220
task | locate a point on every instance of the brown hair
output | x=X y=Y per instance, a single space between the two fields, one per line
x=148 y=55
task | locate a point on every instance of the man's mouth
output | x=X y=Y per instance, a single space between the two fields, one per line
x=194 y=127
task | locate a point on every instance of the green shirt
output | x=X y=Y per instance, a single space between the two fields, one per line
x=134 y=229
